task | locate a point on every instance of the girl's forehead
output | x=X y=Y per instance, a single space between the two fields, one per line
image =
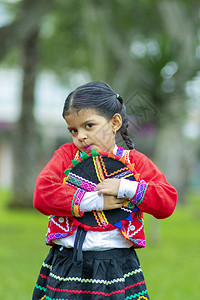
x=82 y=115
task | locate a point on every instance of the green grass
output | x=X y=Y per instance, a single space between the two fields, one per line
x=170 y=261
x=22 y=251
x=172 y=266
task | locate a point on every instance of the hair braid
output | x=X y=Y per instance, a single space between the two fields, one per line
x=124 y=133
x=125 y=123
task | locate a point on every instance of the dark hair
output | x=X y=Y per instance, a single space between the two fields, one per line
x=99 y=96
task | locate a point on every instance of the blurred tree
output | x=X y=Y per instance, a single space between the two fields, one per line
x=145 y=50
x=147 y=47
x=23 y=33
x=26 y=139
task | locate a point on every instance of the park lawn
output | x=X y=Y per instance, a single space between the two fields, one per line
x=22 y=251
x=171 y=267
x=170 y=260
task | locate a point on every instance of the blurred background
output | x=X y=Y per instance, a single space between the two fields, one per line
x=149 y=52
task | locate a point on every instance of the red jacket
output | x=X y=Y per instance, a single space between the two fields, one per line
x=61 y=201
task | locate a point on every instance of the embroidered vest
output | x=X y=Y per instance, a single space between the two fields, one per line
x=132 y=228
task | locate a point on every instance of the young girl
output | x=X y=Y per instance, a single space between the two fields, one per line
x=97 y=264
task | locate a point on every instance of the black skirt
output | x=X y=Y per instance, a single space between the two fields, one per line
x=67 y=274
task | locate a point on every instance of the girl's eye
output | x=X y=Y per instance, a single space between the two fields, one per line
x=89 y=125
x=73 y=131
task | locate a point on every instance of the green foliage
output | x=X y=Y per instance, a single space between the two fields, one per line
x=170 y=266
x=96 y=37
x=62 y=45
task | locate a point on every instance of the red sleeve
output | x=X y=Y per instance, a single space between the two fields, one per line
x=159 y=198
x=51 y=196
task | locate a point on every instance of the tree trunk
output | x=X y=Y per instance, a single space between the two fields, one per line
x=26 y=142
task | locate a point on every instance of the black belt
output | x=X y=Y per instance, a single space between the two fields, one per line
x=78 y=244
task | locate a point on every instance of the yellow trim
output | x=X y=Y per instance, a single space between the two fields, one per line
x=104 y=217
x=98 y=171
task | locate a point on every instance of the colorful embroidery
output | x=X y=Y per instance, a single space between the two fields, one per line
x=74 y=179
x=65 y=180
x=120 y=151
x=96 y=292
x=44 y=276
x=127 y=158
x=137 y=177
x=75 y=207
x=136 y=295
x=129 y=205
x=143 y=194
x=139 y=193
x=104 y=217
x=77 y=155
x=98 y=168
x=96 y=218
x=126 y=209
x=55 y=236
x=100 y=218
x=57 y=224
x=125 y=174
x=139 y=242
x=40 y=287
x=67 y=223
x=60 y=229
x=98 y=281
x=135 y=232
x=111 y=174
x=81 y=182
x=140 y=294
x=47 y=266
x=131 y=227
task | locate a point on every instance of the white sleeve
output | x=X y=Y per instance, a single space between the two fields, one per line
x=92 y=201
x=127 y=188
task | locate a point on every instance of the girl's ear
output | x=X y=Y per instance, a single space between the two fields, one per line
x=116 y=122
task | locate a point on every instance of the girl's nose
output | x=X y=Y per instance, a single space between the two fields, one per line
x=81 y=136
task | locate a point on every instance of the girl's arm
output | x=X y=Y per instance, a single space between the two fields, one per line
x=157 y=197
x=96 y=201
x=152 y=194
x=51 y=196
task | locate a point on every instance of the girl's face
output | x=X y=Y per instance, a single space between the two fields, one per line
x=91 y=131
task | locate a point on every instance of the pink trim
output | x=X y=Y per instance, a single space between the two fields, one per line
x=95 y=292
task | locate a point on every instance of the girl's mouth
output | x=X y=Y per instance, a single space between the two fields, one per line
x=87 y=147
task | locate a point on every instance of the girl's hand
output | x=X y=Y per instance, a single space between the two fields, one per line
x=112 y=202
x=108 y=187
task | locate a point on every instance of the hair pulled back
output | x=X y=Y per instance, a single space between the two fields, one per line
x=99 y=96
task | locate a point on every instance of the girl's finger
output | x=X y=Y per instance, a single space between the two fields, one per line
x=97 y=187
x=105 y=192
x=121 y=200
x=100 y=186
